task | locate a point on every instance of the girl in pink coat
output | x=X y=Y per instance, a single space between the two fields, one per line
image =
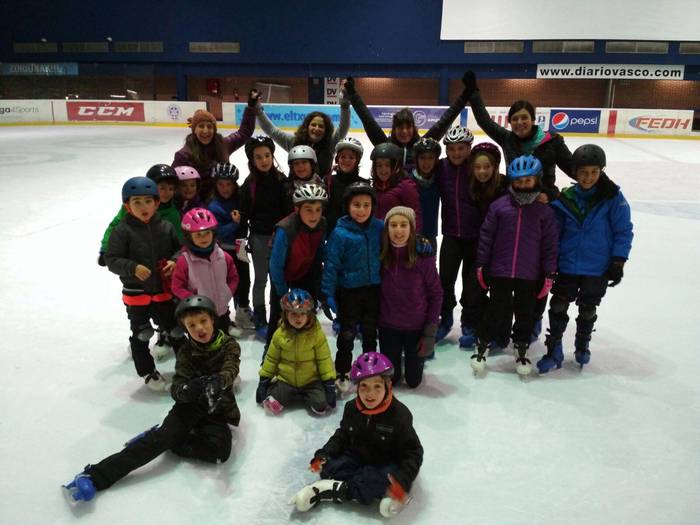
x=204 y=268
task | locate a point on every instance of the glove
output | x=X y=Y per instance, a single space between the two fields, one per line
x=253 y=98
x=316 y=464
x=329 y=387
x=350 y=86
x=546 y=287
x=190 y=391
x=212 y=391
x=101 y=259
x=343 y=97
x=614 y=273
x=423 y=246
x=331 y=305
x=480 y=278
x=426 y=345
x=261 y=391
x=469 y=81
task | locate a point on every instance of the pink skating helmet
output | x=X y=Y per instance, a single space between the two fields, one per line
x=197 y=220
x=370 y=364
x=186 y=173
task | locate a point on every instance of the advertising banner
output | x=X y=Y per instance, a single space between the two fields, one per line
x=574 y=120
x=626 y=71
x=292 y=115
x=39 y=69
x=331 y=88
x=654 y=121
x=174 y=112
x=500 y=116
x=105 y=111
x=17 y=111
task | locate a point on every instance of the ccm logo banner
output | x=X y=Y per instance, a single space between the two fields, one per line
x=110 y=111
x=574 y=120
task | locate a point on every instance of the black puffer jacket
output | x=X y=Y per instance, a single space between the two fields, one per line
x=335 y=184
x=264 y=202
x=552 y=150
x=221 y=356
x=382 y=439
x=134 y=242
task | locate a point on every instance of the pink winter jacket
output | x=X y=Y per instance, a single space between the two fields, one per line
x=215 y=277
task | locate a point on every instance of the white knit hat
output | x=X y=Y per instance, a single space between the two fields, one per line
x=402 y=210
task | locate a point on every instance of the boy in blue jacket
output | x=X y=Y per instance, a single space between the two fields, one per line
x=350 y=282
x=595 y=242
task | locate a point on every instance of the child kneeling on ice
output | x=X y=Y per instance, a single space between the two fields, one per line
x=375 y=454
x=299 y=358
x=198 y=425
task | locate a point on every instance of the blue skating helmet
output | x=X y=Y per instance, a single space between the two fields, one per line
x=524 y=166
x=139 y=186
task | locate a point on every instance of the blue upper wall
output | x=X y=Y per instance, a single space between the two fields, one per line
x=305 y=38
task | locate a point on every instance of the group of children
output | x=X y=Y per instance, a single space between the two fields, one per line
x=364 y=251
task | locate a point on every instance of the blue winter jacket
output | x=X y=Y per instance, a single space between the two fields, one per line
x=352 y=256
x=429 y=195
x=228 y=230
x=591 y=237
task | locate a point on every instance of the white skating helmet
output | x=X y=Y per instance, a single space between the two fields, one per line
x=458 y=134
x=350 y=143
x=302 y=153
x=309 y=192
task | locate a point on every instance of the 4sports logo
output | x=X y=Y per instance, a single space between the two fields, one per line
x=575 y=120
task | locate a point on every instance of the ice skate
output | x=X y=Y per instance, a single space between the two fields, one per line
x=446 y=322
x=80 y=489
x=478 y=359
x=234 y=331
x=139 y=436
x=536 y=330
x=582 y=353
x=468 y=337
x=155 y=381
x=390 y=507
x=322 y=490
x=523 y=366
x=162 y=348
x=272 y=406
x=260 y=320
x=342 y=383
x=552 y=359
x=244 y=318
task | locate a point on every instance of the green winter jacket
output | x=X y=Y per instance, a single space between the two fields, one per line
x=167 y=212
x=299 y=357
x=221 y=356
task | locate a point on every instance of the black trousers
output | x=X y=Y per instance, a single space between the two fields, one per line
x=396 y=344
x=366 y=483
x=163 y=313
x=242 y=296
x=356 y=306
x=587 y=291
x=454 y=252
x=187 y=430
x=509 y=298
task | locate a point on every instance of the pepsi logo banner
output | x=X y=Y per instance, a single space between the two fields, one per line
x=574 y=120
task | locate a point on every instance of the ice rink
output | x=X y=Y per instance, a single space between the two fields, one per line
x=615 y=443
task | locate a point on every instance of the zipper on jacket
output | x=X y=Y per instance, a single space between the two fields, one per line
x=459 y=222
x=517 y=241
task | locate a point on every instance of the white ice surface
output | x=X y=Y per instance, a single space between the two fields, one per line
x=618 y=442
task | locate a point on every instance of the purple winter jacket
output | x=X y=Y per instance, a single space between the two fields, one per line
x=410 y=298
x=520 y=242
x=404 y=193
x=460 y=215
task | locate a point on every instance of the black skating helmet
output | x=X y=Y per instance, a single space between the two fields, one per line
x=162 y=173
x=195 y=302
x=358 y=188
x=387 y=150
x=589 y=155
x=427 y=145
x=225 y=171
x=256 y=142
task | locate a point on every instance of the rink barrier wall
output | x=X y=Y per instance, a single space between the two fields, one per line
x=622 y=123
